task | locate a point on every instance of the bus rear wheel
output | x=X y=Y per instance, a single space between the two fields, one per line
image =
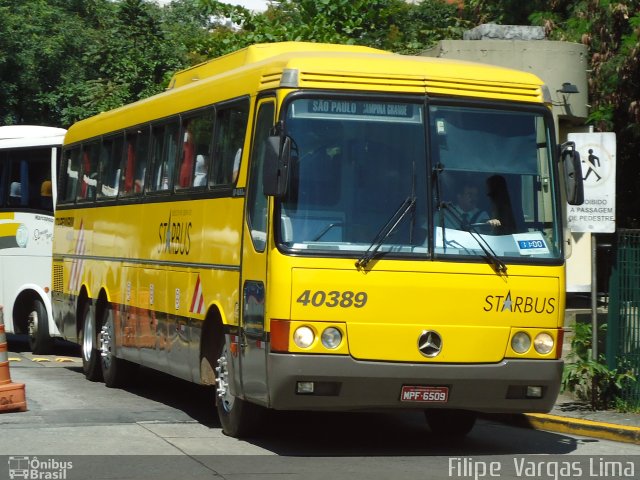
x=238 y=417
x=450 y=424
x=88 y=341
x=40 y=340
x=115 y=371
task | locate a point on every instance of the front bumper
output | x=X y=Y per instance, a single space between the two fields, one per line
x=344 y=383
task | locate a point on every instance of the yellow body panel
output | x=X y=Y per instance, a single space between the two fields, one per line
x=472 y=307
x=162 y=246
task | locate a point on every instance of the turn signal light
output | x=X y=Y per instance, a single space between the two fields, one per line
x=280 y=335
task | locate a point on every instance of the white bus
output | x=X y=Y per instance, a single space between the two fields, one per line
x=29 y=157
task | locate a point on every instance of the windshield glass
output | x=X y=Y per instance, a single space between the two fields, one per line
x=494 y=178
x=361 y=181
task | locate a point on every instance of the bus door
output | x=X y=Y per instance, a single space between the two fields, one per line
x=253 y=353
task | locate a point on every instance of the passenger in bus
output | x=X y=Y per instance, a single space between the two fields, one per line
x=502 y=210
x=46 y=199
x=236 y=165
x=139 y=182
x=188 y=152
x=200 y=175
x=15 y=194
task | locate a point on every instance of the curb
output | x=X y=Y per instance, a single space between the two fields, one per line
x=578 y=426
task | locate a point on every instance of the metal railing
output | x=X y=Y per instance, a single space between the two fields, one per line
x=623 y=330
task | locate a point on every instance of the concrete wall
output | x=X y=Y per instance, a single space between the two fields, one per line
x=554 y=62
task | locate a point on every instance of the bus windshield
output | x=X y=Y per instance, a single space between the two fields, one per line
x=419 y=181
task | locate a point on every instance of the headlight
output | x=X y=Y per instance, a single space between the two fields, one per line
x=303 y=337
x=543 y=343
x=521 y=342
x=331 y=338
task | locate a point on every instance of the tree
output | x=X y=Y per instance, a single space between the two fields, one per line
x=388 y=24
x=35 y=39
x=611 y=31
x=64 y=60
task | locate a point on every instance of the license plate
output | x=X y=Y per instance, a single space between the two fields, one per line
x=424 y=394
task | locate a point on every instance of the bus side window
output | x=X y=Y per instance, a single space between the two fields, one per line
x=165 y=150
x=135 y=161
x=19 y=186
x=257 y=202
x=89 y=172
x=196 y=145
x=3 y=176
x=70 y=174
x=15 y=194
x=231 y=126
x=110 y=166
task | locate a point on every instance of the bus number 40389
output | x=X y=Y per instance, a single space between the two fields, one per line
x=333 y=298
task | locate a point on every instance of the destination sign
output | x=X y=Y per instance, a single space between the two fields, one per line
x=356 y=110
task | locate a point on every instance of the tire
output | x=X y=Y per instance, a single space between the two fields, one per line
x=239 y=418
x=89 y=344
x=451 y=424
x=40 y=341
x=115 y=371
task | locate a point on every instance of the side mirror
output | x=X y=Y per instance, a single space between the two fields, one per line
x=572 y=167
x=275 y=175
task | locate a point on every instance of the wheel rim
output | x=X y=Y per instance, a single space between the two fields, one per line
x=32 y=324
x=225 y=397
x=88 y=337
x=106 y=342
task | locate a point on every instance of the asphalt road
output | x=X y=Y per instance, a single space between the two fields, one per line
x=162 y=427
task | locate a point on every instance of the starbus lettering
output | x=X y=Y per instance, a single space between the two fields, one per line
x=175 y=237
x=518 y=304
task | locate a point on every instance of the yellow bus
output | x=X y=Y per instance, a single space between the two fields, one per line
x=286 y=223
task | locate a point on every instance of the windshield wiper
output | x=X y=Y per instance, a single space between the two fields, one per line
x=325 y=230
x=407 y=206
x=498 y=265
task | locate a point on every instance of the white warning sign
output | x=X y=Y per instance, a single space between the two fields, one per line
x=598 y=156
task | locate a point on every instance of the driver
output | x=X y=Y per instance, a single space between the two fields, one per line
x=466 y=211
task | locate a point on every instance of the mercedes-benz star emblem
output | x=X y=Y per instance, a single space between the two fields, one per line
x=429 y=343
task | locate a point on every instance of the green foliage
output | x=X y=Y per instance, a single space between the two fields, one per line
x=64 y=60
x=505 y=12
x=388 y=24
x=611 y=31
x=592 y=380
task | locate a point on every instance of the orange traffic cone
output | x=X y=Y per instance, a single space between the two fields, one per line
x=12 y=395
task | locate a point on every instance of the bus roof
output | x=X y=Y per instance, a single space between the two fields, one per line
x=315 y=66
x=257 y=53
x=17 y=136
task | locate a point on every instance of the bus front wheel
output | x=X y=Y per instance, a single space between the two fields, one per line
x=450 y=423
x=40 y=340
x=88 y=341
x=238 y=417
